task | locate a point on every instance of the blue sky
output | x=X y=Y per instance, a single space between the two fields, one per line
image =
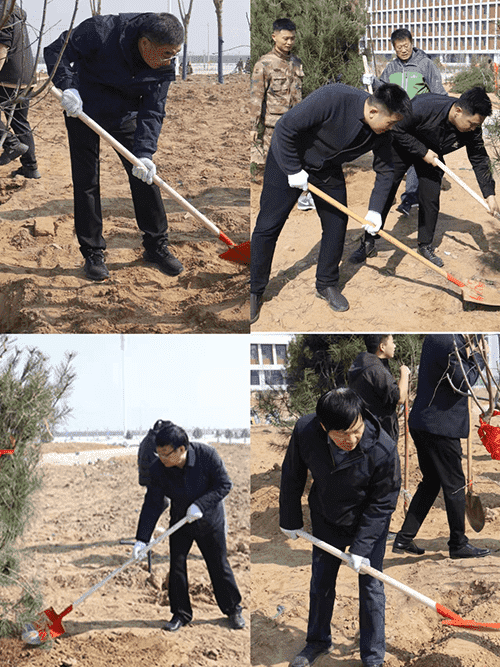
x=192 y=379
x=202 y=31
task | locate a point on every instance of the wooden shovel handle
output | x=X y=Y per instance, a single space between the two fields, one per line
x=464 y=185
x=367 y=71
x=383 y=234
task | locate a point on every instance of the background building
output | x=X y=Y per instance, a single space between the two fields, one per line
x=267 y=361
x=454 y=30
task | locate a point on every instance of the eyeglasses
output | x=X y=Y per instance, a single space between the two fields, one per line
x=164 y=457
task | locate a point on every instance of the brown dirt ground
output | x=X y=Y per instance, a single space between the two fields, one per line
x=203 y=154
x=392 y=291
x=82 y=513
x=414 y=633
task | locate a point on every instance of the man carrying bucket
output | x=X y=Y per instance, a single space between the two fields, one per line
x=356 y=480
x=117 y=69
x=193 y=476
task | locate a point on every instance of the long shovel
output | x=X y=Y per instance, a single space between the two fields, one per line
x=239 y=254
x=406 y=491
x=473 y=506
x=452 y=618
x=472 y=291
x=49 y=624
x=464 y=185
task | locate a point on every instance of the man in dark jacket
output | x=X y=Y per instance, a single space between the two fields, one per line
x=17 y=70
x=438 y=125
x=118 y=70
x=333 y=125
x=193 y=476
x=371 y=378
x=356 y=481
x=438 y=419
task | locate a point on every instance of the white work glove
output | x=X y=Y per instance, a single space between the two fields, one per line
x=355 y=562
x=146 y=171
x=71 y=102
x=291 y=534
x=298 y=180
x=138 y=547
x=368 y=79
x=193 y=513
x=376 y=219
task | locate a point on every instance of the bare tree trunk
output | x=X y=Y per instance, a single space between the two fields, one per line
x=218 y=11
x=95 y=7
x=185 y=18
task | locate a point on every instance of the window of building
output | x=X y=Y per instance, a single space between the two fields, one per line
x=280 y=354
x=273 y=378
x=267 y=354
x=254 y=354
x=254 y=378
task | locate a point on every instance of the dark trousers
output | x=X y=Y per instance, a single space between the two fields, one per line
x=20 y=127
x=213 y=549
x=148 y=204
x=325 y=568
x=429 y=190
x=276 y=202
x=440 y=461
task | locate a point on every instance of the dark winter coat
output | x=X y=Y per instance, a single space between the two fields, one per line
x=429 y=128
x=325 y=130
x=355 y=492
x=203 y=481
x=19 y=65
x=438 y=407
x=370 y=377
x=102 y=61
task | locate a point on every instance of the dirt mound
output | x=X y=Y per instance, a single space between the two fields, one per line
x=202 y=154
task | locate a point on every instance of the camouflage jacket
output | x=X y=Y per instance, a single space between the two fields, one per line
x=276 y=87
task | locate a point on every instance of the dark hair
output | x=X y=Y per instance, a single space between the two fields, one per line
x=162 y=29
x=339 y=409
x=372 y=341
x=173 y=436
x=284 y=24
x=401 y=33
x=160 y=423
x=475 y=101
x=392 y=98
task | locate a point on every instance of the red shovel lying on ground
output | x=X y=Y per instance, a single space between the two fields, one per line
x=239 y=254
x=472 y=291
x=452 y=618
x=50 y=624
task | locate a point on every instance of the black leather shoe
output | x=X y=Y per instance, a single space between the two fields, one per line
x=94 y=268
x=27 y=173
x=10 y=154
x=407 y=547
x=366 y=249
x=308 y=655
x=404 y=208
x=468 y=551
x=427 y=251
x=255 y=306
x=236 y=620
x=163 y=258
x=335 y=299
x=174 y=624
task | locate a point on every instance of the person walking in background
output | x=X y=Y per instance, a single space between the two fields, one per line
x=118 y=70
x=17 y=68
x=356 y=480
x=438 y=419
x=276 y=86
x=414 y=71
x=370 y=377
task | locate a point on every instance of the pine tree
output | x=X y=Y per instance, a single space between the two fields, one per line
x=328 y=33
x=32 y=404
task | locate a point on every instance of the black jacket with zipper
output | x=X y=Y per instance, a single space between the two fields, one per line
x=325 y=130
x=356 y=496
x=429 y=128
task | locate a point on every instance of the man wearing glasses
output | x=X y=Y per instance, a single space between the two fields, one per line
x=193 y=476
x=117 y=69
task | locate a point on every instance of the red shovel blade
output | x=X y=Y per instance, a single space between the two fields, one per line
x=239 y=253
x=49 y=626
x=459 y=622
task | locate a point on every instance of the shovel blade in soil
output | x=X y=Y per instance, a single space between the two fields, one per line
x=48 y=626
x=239 y=253
x=477 y=292
x=474 y=511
